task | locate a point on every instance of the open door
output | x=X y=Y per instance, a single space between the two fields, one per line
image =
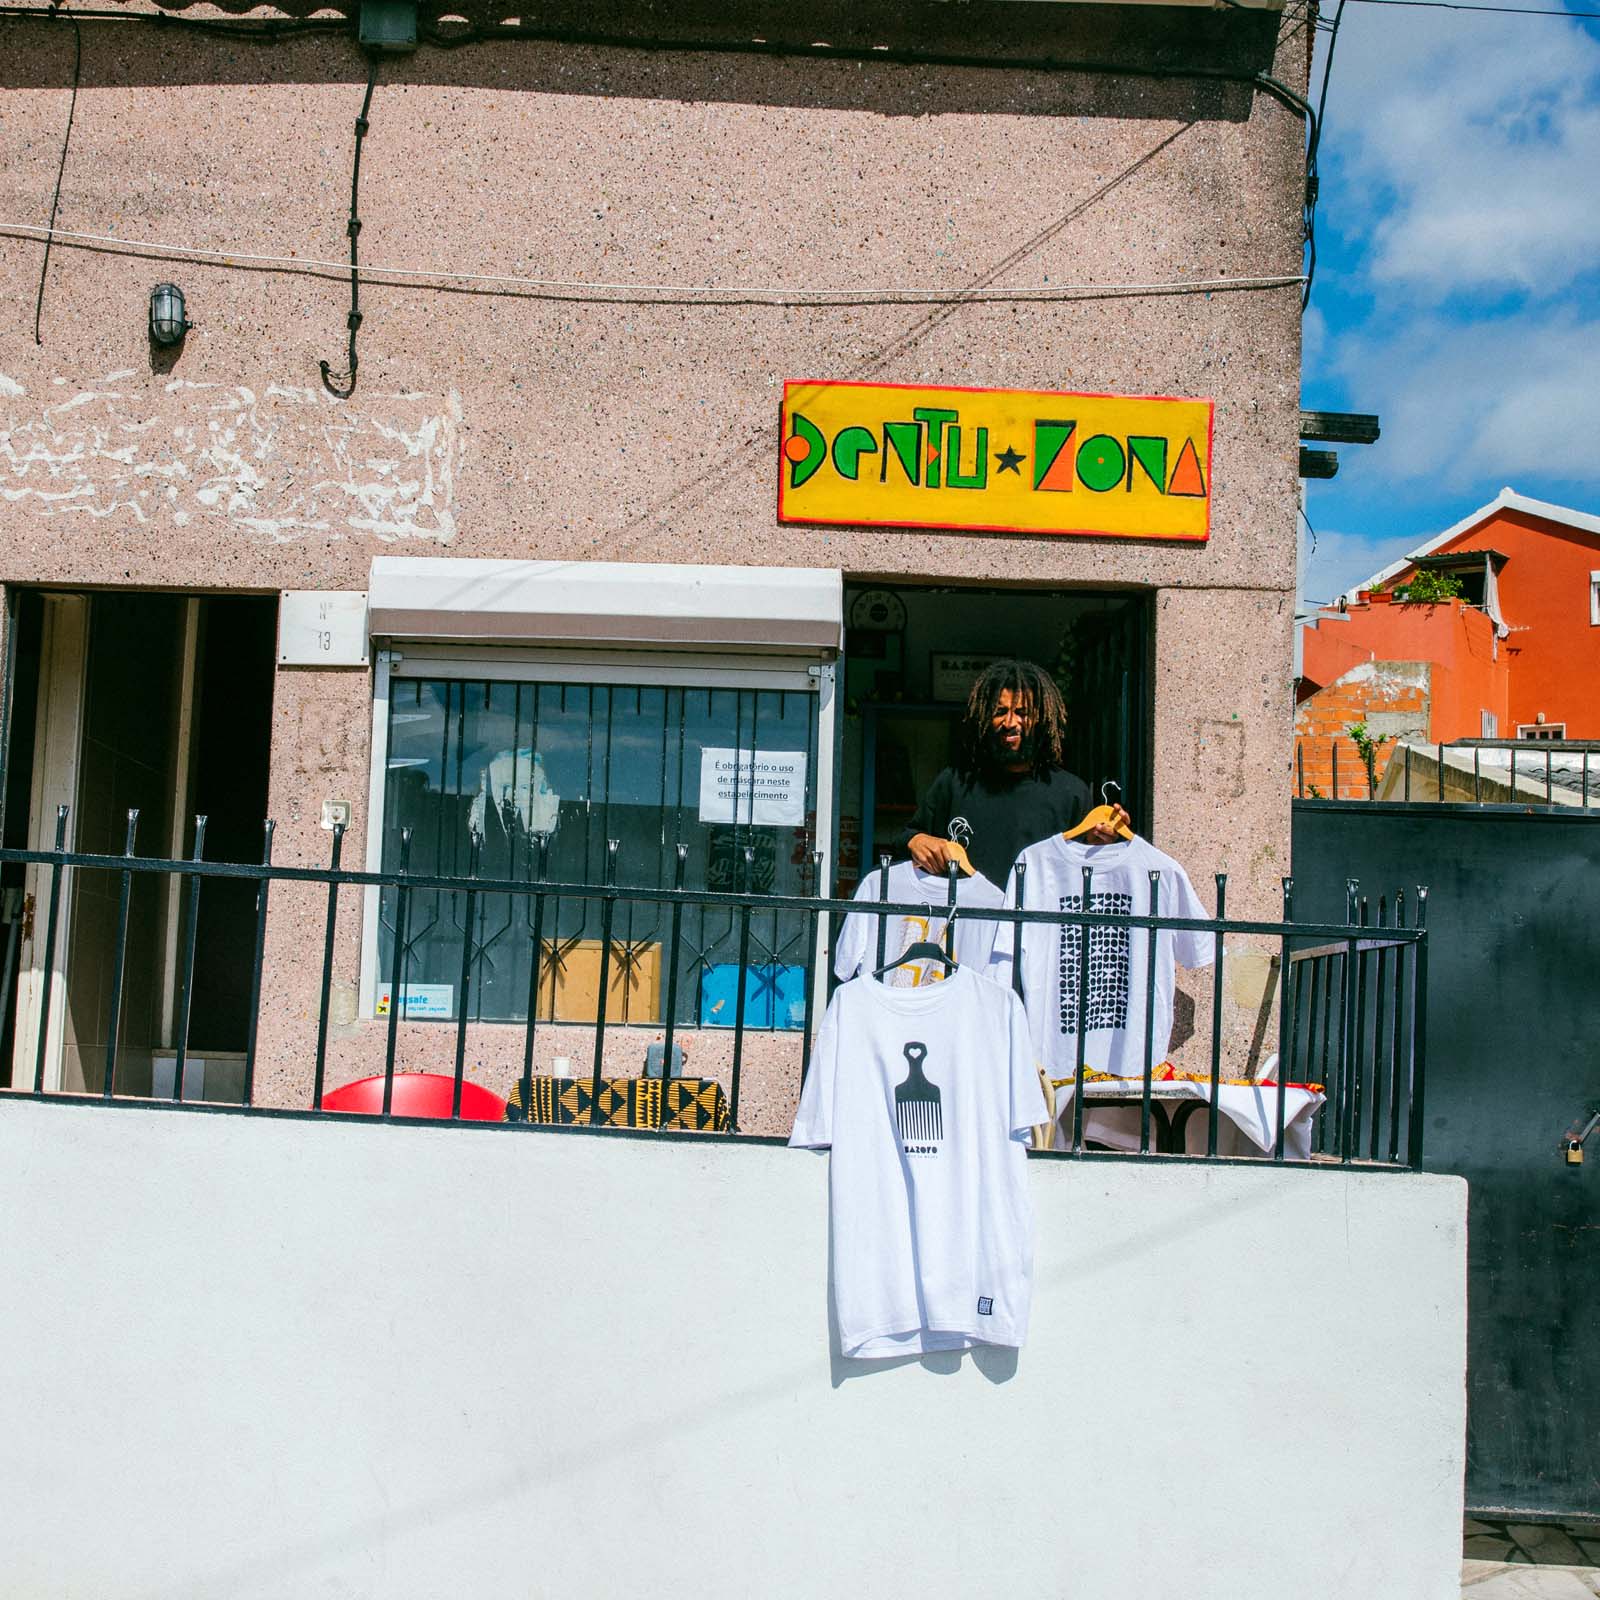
x=911 y=653
x=160 y=704
x=59 y=633
x=108 y=739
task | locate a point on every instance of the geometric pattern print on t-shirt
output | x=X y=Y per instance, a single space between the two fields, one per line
x=1108 y=964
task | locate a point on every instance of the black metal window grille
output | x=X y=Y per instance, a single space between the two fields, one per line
x=518 y=782
x=1351 y=1014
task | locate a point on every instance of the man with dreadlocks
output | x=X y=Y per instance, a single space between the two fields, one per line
x=1008 y=788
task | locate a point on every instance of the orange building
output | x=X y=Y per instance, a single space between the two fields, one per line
x=1517 y=655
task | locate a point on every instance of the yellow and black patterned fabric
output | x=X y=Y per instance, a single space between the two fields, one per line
x=692 y=1104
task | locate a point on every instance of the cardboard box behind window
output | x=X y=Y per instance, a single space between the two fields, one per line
x=569 y=981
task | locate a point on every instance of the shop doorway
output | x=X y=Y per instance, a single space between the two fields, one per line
x=119 y=701
x=911 y=653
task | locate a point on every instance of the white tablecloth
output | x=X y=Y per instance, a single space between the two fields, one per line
x=1248 y=1124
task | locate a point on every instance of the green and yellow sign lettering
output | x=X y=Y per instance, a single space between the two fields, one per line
x=996 y=460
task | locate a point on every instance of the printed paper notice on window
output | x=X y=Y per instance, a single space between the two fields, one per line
x=764 y=787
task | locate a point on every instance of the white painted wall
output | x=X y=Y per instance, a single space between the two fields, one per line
x=271 y=1357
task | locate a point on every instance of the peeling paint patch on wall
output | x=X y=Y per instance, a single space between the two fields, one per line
x=284 y=464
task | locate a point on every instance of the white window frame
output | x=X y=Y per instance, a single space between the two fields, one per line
x=1594 y=599
x=728 y=669
x=1536 y=732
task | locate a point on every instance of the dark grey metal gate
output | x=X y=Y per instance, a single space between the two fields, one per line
x=1513 y=1060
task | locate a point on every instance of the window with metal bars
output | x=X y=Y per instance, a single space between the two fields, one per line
x=529 y=780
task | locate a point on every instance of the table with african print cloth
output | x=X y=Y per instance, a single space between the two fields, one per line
x=1178 y=1103
x=692 y=1104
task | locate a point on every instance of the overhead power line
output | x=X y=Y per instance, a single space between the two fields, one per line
x=1465 y=5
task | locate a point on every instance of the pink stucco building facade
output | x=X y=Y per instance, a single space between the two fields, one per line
x=592 y=258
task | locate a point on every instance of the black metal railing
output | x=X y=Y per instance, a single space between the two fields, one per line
x=1367 y=1054
x=486 y=941
x=1357 y=1021
x=1561 y=774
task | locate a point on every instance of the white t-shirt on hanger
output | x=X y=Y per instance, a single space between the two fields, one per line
x=857 y=948
x=1114 y=1040
x=926 y=1097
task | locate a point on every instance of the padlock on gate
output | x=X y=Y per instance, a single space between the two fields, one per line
x=1572 y=1141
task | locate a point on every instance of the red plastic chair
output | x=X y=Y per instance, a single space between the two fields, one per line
x=418 y=1094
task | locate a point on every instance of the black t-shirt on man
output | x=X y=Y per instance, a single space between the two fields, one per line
x=1004 y=813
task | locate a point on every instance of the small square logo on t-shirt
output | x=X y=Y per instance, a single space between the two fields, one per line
x=985 y=1306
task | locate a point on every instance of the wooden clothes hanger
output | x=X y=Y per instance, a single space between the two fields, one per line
x=958 y=853
x=1102 y=816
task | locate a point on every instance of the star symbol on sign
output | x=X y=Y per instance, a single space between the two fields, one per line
x=1009 y=460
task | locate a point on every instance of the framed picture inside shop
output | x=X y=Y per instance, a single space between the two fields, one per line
x=951 y=673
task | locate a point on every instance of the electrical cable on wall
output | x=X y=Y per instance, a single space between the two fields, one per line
x=882 y=54
x=1313 y=158
x=343 y=384
x=266 y=28
x=269 y=29
x=55 y=202
x=714 y=293
x=1309 y=529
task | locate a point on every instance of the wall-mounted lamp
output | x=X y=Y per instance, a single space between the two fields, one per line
x=168 y=324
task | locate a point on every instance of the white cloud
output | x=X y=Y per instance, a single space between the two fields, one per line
x=1509 y=399
x=1476 y=138
x=1339 y=561
x=1313 y=337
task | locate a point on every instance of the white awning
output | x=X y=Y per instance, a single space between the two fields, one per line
x=626 y=604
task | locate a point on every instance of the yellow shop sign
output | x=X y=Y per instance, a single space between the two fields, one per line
x=996 y=460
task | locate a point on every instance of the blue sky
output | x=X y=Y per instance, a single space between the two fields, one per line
x=1458 y=245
